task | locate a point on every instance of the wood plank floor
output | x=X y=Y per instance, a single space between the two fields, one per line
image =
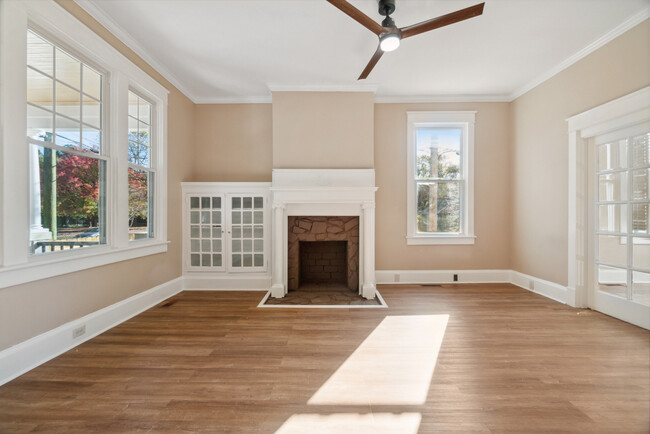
x=466 y=358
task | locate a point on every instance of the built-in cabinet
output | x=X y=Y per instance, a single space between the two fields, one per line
x=226 y=227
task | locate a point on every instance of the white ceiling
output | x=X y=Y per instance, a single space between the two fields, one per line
x=235 y=50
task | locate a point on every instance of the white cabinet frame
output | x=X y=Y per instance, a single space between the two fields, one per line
x=226 y=190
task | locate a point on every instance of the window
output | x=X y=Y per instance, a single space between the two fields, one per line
x=67 y=165
x=141 y=175
x=82 y=148
x=440 y=186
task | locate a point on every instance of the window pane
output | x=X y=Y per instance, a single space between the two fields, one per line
x=40 y=53
x=259 y=202
x=92 y=83
x=40 y=89
x=68 y=101
x=612 y=155
x=92 y=112
x=259 y=260
x=610 y=217
x=70 y=197
x=144 y=111
x=641 y=150
x=641 y=287
x=68 y=69
x=640 y=218
x=194 y=202
x=641 y=253
x=195 y=260
x=611 y=187
x=438 y=153
x=612 y=280
x=67 y=133
x=236 y=232
x=90 y=139
x=438 y=207
x=612 y=249
x=133 y=105
x=39 y=124
x=140 y=221
x=143 y=134
x=640 y=183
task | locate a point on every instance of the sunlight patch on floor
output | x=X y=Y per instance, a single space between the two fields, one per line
x=376 y=423
x=393 y=366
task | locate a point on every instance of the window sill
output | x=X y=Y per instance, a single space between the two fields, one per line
x=42 y=267
x=440 y=239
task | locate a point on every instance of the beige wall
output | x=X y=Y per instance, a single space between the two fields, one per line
x=30 y=309
x=491 y=191
x=233 y=143
x=323 y=130
x=540 y=140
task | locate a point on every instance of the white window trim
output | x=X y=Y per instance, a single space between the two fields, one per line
x=16 y=264
x=464 y=120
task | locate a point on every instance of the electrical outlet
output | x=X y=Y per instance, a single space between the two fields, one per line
x=78 y=331
x=455 y=277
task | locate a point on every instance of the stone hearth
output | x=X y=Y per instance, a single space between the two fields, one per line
x=320 y=228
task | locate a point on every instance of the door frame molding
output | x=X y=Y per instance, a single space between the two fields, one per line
x=629 y=110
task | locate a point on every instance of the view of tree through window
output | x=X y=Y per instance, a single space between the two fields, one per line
x=438 y=178
x=141 y=176
x=64 y=133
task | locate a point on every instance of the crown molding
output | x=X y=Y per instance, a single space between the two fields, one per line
x=128 y=40
x=323 y=87
x=440 y=98
x=617 y=31
x=266 y=99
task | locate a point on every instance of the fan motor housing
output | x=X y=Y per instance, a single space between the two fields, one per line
x=386 y=7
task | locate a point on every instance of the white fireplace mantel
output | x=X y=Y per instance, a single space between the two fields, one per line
x=324 y=192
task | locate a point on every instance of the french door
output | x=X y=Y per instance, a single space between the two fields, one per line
x=620 y=227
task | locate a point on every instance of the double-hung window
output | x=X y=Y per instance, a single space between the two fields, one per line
x=440 y=195
x=82 y=148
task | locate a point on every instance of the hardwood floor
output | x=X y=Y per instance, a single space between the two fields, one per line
x=466 y=358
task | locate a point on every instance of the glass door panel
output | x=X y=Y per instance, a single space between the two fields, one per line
x=622 y=227
x=247 y=233
x=206 y=232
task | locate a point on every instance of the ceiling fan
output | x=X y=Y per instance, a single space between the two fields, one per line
x=390 y=35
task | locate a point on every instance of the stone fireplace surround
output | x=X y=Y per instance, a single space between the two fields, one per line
x=324 y=193
x=323 y=229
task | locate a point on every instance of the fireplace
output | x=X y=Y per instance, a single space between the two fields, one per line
x=322 y=249
x=324 y=205
x=322 y=262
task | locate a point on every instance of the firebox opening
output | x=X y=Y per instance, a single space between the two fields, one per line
x=323 y=262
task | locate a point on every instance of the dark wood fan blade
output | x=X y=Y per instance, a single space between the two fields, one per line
x=358 y=16
x=442 y=21
x=373 y=61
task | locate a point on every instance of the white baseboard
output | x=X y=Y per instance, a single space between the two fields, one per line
x=213 y=282
x=25 y=356
x=432 y=277
x=542 y=287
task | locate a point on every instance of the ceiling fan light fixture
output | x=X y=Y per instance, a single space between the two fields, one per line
x=389 y=42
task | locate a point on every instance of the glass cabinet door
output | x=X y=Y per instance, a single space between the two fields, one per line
x=247 y=233
x=206 y=232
